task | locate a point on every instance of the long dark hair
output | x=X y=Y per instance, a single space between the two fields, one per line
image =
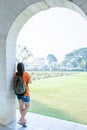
x=20 y=68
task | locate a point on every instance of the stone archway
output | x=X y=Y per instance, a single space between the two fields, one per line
x=9 y=34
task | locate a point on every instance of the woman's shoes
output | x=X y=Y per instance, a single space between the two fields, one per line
x=23 y=123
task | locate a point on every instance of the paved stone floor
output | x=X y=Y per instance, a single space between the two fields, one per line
x=40 y=122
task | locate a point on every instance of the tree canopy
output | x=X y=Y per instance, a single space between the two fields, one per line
x=77 y=58
x=23 y=54
x=51 y=58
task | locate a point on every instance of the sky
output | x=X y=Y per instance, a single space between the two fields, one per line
x=55 y=31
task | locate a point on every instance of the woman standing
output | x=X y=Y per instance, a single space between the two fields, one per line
x=24 y=100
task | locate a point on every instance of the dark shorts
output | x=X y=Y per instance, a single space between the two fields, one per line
x=25 y=99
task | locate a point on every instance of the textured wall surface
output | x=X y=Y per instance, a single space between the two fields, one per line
x=13 y=15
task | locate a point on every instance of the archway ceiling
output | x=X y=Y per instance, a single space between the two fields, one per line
x=82 y=4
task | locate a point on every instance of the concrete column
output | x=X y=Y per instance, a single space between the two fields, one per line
x=7 y=97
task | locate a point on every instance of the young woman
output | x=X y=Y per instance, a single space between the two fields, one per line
x=24 y=101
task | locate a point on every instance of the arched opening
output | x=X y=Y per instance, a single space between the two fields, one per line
x=22 y=19
x=45 y=88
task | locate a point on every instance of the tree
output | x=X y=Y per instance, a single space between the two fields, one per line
x=23 y=54
x=83 y=64
x=77 y=59
x=51 y=58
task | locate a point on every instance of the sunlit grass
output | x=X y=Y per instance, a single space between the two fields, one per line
x=64 y=97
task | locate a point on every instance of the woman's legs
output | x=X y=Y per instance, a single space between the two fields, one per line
x=23 y=110
x=21 y=106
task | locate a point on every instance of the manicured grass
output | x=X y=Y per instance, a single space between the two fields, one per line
x=63 y=97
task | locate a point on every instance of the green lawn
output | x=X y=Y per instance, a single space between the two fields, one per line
x=63 y=97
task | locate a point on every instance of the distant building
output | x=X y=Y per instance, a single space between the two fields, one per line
x=36 y=64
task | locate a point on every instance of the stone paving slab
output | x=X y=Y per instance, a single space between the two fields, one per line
x=4 y=128
x=81 y=127
x=41 y=122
